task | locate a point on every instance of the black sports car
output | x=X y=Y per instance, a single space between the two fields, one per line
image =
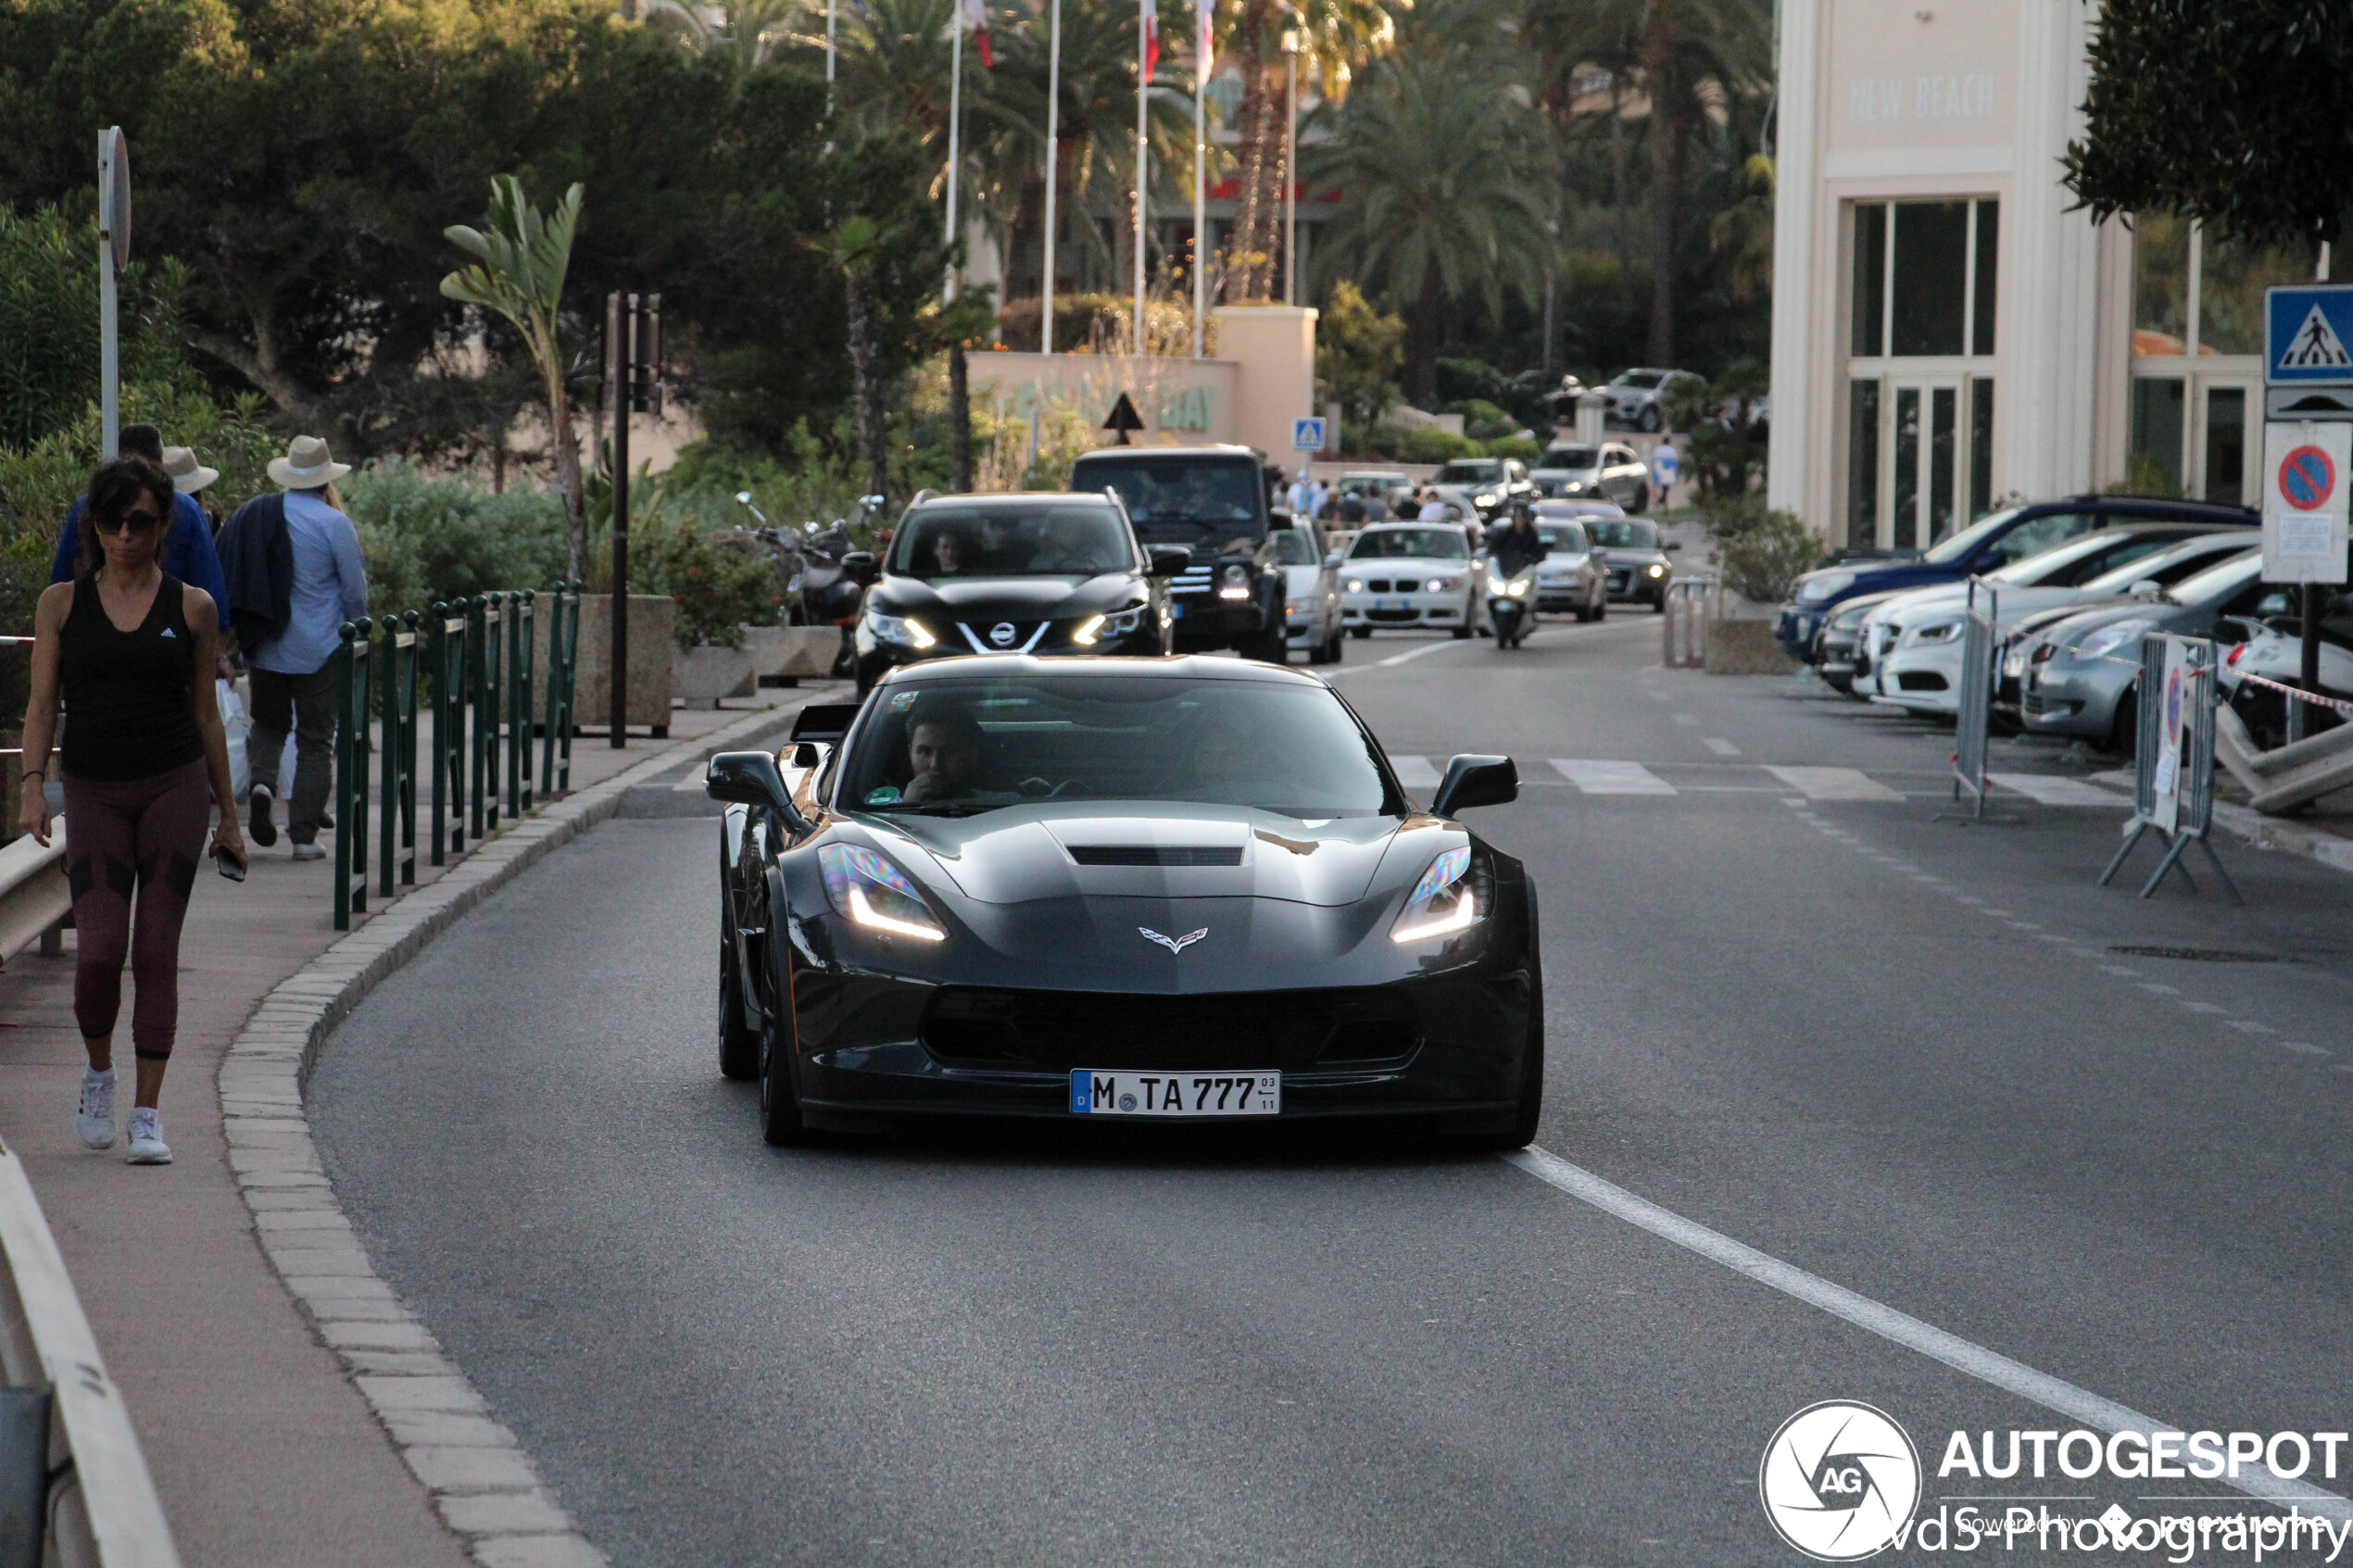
x=1018 y=886
x=1033 y=574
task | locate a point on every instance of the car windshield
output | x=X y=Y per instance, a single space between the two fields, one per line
x=958 y=746
x=1411 y=544
x=1570 y=458
x=1070 y=539
x=1615 y=533
x=2217 y=582
x=1292 y=547
x=1961 y=545
x=1371 y=484
x=1471 y=471
x=1561 y=538
x=2168 y=567
x=2052 y=565
x=1642 y=379
x=1220 y=496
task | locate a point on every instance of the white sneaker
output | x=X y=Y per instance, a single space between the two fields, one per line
x=148 y=1147
x=310 y=851
x=95 y=1121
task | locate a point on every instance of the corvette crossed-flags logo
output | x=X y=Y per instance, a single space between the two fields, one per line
x=1174 y=944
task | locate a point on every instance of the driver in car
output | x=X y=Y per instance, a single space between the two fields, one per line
x=945 y=750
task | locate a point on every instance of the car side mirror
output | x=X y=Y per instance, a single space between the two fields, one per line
x=1472 y=780
x=860 y=567
x=2274 y=604
x=751 y=778
x=1334 y=560
x=2147 y=588
x=1672 y=545
x=1168 y=560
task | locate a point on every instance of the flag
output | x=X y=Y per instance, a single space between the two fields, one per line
x=976 y=18
x=1152 y=38
x=1204 y=16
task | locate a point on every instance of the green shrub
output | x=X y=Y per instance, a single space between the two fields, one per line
x=1482 y=420
x=1357 y=352
x=1404 y=446
x=1526 y=448
x=430 y=537
x=1764 y=559
x=719 y=591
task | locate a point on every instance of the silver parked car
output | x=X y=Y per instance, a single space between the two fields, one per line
x=1311 y=591
x=1638 y=397
x=1608 y=472
x=1574 y=574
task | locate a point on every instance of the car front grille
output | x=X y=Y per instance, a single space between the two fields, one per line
x=1219 y=1032
x=1392 y=615
x=1193 y=580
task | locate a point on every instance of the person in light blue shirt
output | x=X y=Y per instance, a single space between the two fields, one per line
x=294 y=677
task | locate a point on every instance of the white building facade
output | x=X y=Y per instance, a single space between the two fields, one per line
x=1948 y=335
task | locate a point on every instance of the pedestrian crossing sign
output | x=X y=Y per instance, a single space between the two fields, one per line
x=2307 y=330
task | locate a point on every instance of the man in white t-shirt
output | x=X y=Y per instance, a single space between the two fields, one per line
x=1433 y=508
x=1666 y=467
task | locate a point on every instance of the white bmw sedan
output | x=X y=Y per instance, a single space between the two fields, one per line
x=1411 y=574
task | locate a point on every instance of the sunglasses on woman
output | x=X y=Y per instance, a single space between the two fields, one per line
x=135 y=522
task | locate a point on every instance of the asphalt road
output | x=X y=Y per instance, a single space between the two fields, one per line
x=1902 y=1055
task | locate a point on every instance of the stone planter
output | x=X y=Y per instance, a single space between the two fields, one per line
x=787 y=655
x=700 y=676
x=652 y=619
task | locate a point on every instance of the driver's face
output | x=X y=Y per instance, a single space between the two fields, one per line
x=936 y=748
x=949 y=551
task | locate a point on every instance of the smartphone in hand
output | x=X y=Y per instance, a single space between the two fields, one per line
x=228 y=864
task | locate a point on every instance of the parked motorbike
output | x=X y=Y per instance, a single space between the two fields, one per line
x=835 y=580
x=1511 y=604
x=790 y=564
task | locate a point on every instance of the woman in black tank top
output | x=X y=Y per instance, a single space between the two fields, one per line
x=143 y=763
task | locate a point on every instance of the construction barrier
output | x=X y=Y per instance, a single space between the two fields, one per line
x=2173 y=763
x=1981 y=652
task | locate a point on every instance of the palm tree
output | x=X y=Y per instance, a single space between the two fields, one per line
x=1336 y=37
x=1445 y=169
x=748 y=30
x=520 y=274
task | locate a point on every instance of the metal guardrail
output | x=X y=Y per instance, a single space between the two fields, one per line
x=1692 y=603
x=2174 y=762
x=477 y=654
x=34 y=899
x=100 y=1504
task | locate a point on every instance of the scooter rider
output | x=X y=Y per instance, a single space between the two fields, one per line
x=1511 y=550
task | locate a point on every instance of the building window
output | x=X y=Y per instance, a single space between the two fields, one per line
x=2198 y=355
x=1920 y=347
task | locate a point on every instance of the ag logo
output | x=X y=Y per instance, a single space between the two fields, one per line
x=1840 y=1481
x=1004 y=634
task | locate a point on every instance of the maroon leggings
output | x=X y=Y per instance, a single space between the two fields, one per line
x=146 y=834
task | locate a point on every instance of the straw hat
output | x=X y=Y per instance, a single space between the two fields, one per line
x=188 y=476
x=307 y=465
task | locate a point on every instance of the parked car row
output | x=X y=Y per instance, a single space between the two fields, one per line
x=2072 y=587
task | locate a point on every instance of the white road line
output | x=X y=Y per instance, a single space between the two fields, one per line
x=1721 y=746
x=1611 y=778
x=2049 y=790
x=1962 y=1355
x=1834 y=783
x=1687 y=720
x=1414 y=773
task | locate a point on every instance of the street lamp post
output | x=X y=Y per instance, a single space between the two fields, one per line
x=1205 y=12
x=633 y=349
x=1292 y=42
x=1053 y=170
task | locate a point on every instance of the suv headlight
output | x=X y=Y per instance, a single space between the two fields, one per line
x=872 y=892
x=1233 y=583
x=904 y=630
x=1446 y=900
x=1108 y=628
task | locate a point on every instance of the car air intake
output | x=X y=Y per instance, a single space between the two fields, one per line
x=1217 y=1031
x=1156 y=855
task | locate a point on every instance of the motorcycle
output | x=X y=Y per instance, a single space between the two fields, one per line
x=783 y=547
x=1511 y=604
x=833 y=583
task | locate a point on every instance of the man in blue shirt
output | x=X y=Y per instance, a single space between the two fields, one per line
x=187 y=544
x=293 y=672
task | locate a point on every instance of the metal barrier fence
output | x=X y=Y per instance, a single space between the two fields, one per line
x=2174 y=762
x=478 y=655
x=1692 y=603
x=1981 y=647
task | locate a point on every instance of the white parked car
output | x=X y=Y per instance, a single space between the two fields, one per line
x=1914 y=640
x=1311 y=591
x=1608 y=472
x=1401 y=575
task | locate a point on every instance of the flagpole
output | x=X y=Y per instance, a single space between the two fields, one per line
x=955 y=117
x=1054 y=168
x=1205 y=10
x=1143 y=90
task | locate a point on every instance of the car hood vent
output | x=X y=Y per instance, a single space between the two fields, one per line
x=1156 y=854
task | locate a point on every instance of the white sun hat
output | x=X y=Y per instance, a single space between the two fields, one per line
x=188 y=476
x=307 y=465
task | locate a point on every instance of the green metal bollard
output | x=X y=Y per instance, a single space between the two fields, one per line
x=519 y=620
x=563 y=648
x=398 y=832
x=351 y=770
x=449 y=642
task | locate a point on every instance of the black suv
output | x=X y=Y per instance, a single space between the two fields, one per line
x=1217 y=502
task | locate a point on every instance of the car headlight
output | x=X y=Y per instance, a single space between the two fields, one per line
x=1108 y=628
x=1355 y=585
x=903 y=630
x=1936 y=632
x=1484 y=498
x=872 y=892
x=1823 y=585
x=1656 y=570
x=1439 y=586
x=1233 y=583
x=1574 y=487
x=2108 y=639
x=1446 y=900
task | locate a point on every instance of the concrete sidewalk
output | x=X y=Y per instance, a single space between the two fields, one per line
x=265 y=1454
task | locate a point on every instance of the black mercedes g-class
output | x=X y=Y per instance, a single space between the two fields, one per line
x=1218 y=502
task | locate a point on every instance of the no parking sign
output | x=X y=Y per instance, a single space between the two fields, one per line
x=2305 y=478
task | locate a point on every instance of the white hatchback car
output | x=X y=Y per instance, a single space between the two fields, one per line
x=1311 y=591
x=1411 y=574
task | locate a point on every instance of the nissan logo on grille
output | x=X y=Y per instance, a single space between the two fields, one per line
x=1002 y=634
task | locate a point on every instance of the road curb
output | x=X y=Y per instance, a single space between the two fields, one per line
x=2256 y=831
x=484 y=1484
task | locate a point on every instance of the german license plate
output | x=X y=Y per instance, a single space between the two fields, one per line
x=1096 y=1093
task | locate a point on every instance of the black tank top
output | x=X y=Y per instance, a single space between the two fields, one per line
x=128 y=711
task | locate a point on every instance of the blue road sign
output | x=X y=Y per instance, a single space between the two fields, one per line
x=1307 y=436
x=2306 y=332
